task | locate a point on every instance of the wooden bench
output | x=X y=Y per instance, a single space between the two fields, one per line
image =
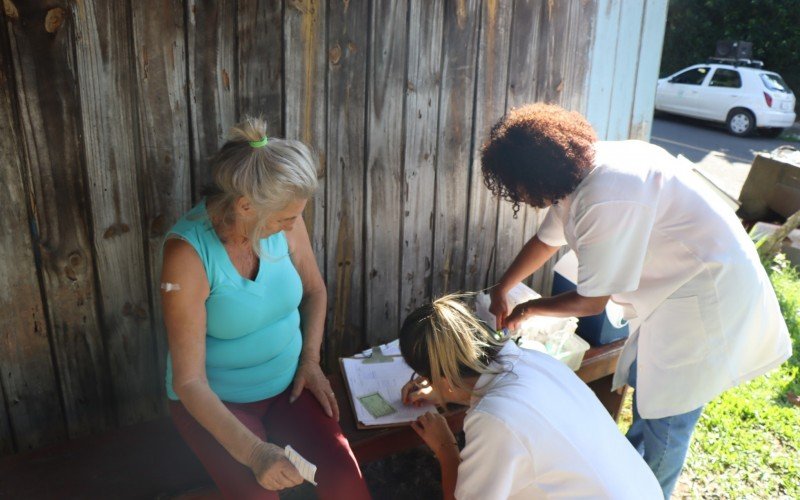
x=150 y=460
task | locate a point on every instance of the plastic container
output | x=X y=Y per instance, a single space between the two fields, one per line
x=556 y=336
x=571 y=355
x=573 y=351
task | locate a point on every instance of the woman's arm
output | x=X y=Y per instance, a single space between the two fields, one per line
x=185 y=320
x=561 y=306
x=433 y=429
x=312 y=318
x=532 y=256
x=448 y=462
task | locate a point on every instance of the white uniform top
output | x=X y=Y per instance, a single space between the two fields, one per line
x=539 y=432
x=703 y=312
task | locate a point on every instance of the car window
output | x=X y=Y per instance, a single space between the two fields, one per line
x=693 y=76
x=726 y=78
x=773 y=81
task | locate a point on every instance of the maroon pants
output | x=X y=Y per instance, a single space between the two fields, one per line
x=302 y=424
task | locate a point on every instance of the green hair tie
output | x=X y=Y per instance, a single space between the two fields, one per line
x=260 y=144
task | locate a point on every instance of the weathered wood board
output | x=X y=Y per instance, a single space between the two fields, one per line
x=383 y=216
x=165 y=184
x=454 y=149
x=490 y=103
x=260 y=59
x=345 y=152
x=304 y=104
x=421 y=115
x=42 y=38
x=111 y=167
x=211 y=39
x=29 y=397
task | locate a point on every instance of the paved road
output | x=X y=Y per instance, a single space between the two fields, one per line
x=723 y=158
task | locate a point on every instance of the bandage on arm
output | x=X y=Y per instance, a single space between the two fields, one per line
x=185 y=320
x=170 y=287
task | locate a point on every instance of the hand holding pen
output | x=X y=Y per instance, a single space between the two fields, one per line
x=418 y=391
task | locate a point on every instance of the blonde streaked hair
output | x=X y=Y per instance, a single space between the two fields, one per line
x=444 y=339
x=270 y=176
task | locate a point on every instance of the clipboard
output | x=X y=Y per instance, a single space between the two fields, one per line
x=388 y=382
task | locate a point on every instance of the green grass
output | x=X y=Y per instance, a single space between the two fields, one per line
x=789 y=137
x=747 y=442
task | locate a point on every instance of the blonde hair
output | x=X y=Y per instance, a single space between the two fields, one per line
x=270 y=176
x=444 y=339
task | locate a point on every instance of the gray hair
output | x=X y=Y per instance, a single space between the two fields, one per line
x=270 y=176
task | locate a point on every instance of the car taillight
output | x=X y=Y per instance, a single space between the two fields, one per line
x=768 y=98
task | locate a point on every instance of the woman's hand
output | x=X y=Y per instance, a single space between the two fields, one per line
x=309 y=375
x=499 y=304
x=272 y=469
x=519 y=314
x=433 y=429
x=419 y=391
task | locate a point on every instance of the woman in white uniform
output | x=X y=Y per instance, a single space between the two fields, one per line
x=701 y=309
x=533 y=430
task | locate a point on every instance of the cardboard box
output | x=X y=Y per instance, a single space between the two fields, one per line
x=773 y=184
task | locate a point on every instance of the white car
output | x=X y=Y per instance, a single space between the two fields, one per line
x=742 y=97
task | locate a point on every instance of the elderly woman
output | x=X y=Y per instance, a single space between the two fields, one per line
x=702 y=311
x=244 y=306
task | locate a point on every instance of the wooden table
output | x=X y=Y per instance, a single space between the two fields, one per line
x=597 y=370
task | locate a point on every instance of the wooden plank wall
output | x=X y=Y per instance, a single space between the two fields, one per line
x=109 y=112
x=625 y=52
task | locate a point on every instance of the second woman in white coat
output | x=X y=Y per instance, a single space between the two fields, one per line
x=702 y=312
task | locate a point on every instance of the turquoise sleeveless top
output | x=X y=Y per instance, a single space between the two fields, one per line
x=253 y=338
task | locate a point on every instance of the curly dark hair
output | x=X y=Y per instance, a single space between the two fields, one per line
x=537 y=154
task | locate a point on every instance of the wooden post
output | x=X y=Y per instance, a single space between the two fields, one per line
x=426 y=21
x=211 y=38
x=163 y=113
x=772 y=243
x=347 y=56
x=459 y=58
x=259 y=40
x=107 y=112
x=490 y=102
x=29 y=389
x=527 y=35
x=304 y=104
x=42 y=38
x=385 y=126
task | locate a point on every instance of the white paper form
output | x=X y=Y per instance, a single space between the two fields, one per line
x=387 y=379
x=306 y=469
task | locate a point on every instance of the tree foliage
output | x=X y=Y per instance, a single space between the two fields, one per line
x=773 y=26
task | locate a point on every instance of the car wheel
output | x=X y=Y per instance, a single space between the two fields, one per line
x=741 y=122
x=771 y=132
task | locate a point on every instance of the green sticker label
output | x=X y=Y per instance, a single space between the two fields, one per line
x=376 y=405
